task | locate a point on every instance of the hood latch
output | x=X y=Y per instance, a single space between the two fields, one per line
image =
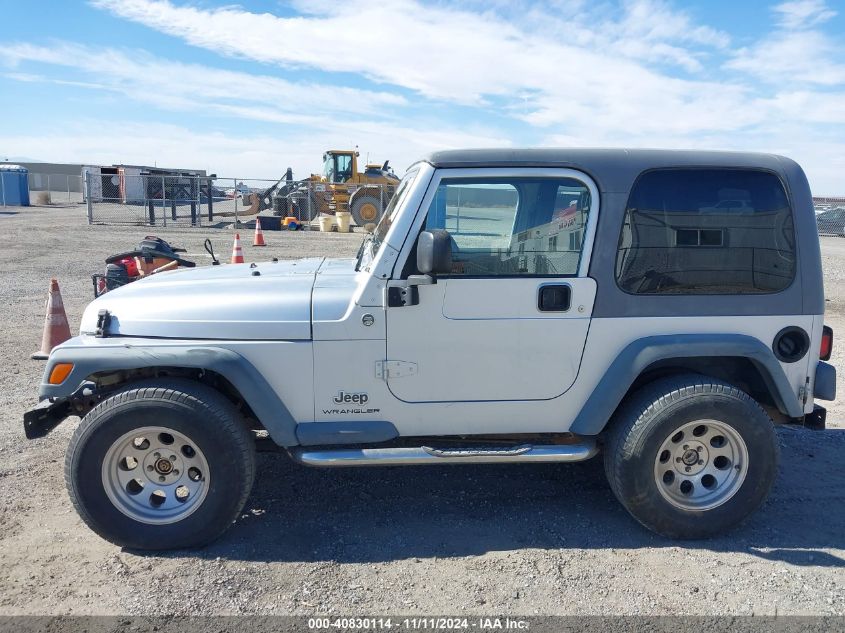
x=103 y=322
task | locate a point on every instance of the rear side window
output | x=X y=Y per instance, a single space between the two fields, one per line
x=706 y=231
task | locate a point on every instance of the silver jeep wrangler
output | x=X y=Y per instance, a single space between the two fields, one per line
x=664 y=308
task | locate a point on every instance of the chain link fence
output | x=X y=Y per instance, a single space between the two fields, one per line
x=55 y=188
x=830 y=217
x=44 y=189
x=182 y=200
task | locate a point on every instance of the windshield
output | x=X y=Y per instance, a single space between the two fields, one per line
x=337 y=167
x=371 y=244
x=328 y=167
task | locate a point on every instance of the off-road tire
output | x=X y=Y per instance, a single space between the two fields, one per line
x=198 y=412
x=638 y=432
x=357 y=209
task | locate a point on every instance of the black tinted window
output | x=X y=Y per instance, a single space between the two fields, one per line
x=706 y=231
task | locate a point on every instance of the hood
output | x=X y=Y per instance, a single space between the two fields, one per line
x=267 y=301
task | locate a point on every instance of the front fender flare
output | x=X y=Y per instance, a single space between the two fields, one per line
x=254 y=389
x=638 y=355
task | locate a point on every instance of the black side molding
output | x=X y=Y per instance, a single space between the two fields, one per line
x=353 y=432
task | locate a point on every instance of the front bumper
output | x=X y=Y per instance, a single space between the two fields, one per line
x=42 y=419
x=50 y=412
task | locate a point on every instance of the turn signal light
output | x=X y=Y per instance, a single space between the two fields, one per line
x=60 y=372
x=827 y=343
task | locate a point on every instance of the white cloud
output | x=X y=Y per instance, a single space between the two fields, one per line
x=793 y=58
x=799 y=14
x=171 y=85
x=559 y=66
x=256 y=156
x=642 y=73
x=797 y=52
x=312 y=117
x=443 y=52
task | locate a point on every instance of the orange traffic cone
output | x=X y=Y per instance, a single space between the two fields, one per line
x=237 y=251
x=56 y=328
x=258 y=240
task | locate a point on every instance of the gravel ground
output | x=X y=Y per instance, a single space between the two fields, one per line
x=546 y=539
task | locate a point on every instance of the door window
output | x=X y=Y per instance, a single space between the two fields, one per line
x=512 y=227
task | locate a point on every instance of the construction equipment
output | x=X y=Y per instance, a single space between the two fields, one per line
x=339 y=187
x=347 y=189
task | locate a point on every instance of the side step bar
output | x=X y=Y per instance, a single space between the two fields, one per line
x=408 y=456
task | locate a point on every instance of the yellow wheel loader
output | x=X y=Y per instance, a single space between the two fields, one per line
x=340 y=187
x=363 y=194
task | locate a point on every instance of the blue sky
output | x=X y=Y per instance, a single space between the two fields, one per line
x=247 y=90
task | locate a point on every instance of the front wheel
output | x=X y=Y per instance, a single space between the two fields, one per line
x=161 y=465
x=691 y=456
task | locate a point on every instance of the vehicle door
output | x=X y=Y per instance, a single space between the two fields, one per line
x=510 y=321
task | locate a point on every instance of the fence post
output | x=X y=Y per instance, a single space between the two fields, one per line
x=195 y=198
x=3 y=186
x=163 y=202
x=67 y=181
x=88 y=197
x=210 y=203
x=308 y=197
x=49 y=197
x=235 y=198
x=151 y=210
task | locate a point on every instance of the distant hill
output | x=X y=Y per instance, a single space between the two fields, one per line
x=18 y=159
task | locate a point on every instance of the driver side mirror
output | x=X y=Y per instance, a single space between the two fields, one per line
x=434 y=252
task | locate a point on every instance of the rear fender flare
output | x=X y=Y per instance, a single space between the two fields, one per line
x=638 y=355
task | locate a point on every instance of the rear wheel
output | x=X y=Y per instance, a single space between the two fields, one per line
x=365 y=209
x=161 y=465
x=691 y=456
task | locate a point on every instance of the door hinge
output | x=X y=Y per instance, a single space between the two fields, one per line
x=399 y=297
x=386 y=369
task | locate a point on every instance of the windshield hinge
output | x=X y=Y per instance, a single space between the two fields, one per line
x=386 y=369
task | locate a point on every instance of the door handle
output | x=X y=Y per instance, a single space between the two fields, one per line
x=554 y=298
